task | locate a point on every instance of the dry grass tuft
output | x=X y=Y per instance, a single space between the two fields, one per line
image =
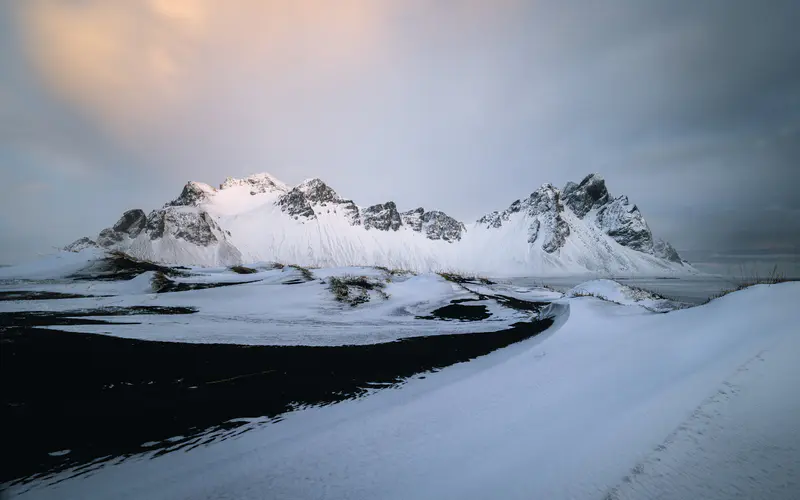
x=355 y=290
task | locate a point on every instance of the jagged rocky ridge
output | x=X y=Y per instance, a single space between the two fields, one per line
x=545 y=210
x=261 y=218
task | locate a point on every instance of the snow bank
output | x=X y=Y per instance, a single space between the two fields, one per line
x=618 y=293
x=741 y=442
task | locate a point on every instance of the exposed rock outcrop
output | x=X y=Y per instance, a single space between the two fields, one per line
x=545 y=212
x=197 y=228
x=383 y=217
x=296 y=204
x=590 y=193
x=318 y=193
x=435 y=225
x=81 y=244
x=623 y=222
x=192 y=195
x=130 y=225
x=545 y=206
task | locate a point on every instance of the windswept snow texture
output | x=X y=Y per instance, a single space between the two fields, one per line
x=259 y=218
x=614 y=402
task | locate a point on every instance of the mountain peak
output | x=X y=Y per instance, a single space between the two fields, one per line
x=312 y=181
x=258 y=183
x=316 y=191
x=590 y=193
x=193 y=193
x=625 y=223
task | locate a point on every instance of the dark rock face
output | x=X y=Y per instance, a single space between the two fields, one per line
x=296 y=204
x=108 y=238
x=193 y=193
x=191 y=225
x=615 y=216
x=664 y=250
x=545 y=205
x=491 y=220
x=435 y=224
x=80 y=244
x=132 y=223
x=533 y=231
x=623 y=222
x=413 y=219
x=545 y=209
x=194 y=227
x=301 y=200
x=439 y=225
x=156 y=224
x=495 y=219
x=317 y=192
x=515 y=207
x=590 y=193
x=383 y=217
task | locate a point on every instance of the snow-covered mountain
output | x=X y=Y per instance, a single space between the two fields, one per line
x=581 y=228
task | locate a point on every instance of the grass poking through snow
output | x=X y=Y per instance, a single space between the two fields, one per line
x=461 y=278
x=304 y=271
x=747 y=280
x=355 y=290
x=395 y=272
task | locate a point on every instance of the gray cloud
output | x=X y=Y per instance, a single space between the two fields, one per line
x=690 y=108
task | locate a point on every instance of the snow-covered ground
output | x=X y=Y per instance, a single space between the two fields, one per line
x=614 y=401
x=273 y=307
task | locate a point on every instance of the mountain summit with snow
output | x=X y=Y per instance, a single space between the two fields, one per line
x=580 y=228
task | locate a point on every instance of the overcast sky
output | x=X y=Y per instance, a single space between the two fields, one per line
x=691 y=108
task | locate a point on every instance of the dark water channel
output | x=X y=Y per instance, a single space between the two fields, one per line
x=102 y=397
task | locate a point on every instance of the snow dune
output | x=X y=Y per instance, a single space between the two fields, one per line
x=617 y=402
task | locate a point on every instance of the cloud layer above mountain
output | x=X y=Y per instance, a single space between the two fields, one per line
x=693 y=110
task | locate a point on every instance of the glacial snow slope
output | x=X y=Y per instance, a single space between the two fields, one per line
x=616 y=403
x=579 y=229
